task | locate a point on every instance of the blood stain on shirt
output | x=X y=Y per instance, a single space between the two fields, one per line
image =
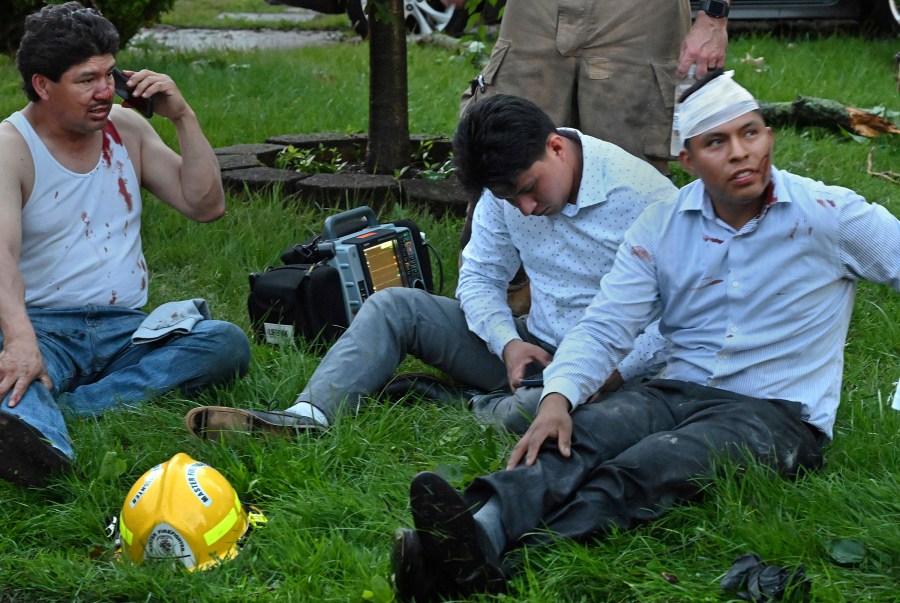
x=106 y=153
x=123 y=190
x=710 y=283
x=794 y=230
x=641 y=253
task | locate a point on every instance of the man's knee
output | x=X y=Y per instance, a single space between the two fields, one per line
x=505 y=410
x=394 y=299
x=230 y=343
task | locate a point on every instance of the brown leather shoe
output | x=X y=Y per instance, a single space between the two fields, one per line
x=218 y=421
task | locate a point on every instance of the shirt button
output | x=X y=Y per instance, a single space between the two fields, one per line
x=735 y=284
x=733 y=329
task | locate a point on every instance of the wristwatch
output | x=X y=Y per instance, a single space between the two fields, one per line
x=717 y=9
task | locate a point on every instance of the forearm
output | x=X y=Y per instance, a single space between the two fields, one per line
x=626 y=304
x=490 y=261
x=14 y=322
x=201 y=181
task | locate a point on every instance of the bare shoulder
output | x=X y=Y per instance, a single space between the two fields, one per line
x=136 y=132
x=16 y=163
x=132 y=127
x=13 y=145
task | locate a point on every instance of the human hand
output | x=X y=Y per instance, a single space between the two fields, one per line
x=705 y=45
x=517 y=355
x=553 y=421
x=20 y=365
x=167 y=98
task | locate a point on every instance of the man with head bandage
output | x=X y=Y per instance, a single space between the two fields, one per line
x=753 y=272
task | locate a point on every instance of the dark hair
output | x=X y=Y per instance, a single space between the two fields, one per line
x=710 y=76
x=497 y=139
x=59 y=36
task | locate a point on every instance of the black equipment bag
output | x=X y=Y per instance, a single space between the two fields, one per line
x=308 y=252
x=305 y=297
x=297 y=300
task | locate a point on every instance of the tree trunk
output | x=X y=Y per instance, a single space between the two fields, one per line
x=388 y=103
x=810 y=111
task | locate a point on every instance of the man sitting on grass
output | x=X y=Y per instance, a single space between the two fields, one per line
x=557 y=201
x=72 y=270
x=755 y=272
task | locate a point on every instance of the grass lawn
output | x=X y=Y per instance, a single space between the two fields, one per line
x=333 y=501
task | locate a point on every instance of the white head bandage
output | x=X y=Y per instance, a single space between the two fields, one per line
x=717 y=102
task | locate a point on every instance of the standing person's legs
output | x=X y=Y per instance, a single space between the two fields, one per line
x=122 y=373
x=391 y=324
x=525 y=62
x=626 y=75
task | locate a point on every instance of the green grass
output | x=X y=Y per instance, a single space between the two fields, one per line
x=332 y=502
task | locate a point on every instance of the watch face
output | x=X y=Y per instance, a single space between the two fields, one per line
x=715 y=8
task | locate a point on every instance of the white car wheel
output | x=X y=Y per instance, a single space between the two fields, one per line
x=895 y=11
x=421 y=16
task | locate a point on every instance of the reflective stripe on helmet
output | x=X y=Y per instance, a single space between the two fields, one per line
x=127 y=536
x=221 y=528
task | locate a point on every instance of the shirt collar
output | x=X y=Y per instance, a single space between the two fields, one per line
x=591 y=166
x=693 y=196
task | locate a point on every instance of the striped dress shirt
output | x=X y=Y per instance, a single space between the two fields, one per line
x=762 y=311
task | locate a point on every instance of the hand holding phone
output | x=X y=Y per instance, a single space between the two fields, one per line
x=533 y=381
x=142 y=105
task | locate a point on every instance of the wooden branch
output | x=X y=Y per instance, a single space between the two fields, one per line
x=890 y=176
x=809 y=111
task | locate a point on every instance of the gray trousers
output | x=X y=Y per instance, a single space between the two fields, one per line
x=398 y=321
x=639 y=452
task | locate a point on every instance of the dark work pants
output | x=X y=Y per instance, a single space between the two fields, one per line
x=640 y=451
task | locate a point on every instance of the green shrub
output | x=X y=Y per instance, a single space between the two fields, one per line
x=127 y=15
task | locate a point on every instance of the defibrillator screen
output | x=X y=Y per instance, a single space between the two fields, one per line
x=383 y=266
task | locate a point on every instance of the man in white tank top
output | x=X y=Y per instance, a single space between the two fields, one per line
x=72 y=271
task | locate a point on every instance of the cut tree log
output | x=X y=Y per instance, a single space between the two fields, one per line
x=826 y=113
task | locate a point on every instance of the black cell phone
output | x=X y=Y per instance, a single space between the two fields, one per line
x=142 y=105
x=533 y=381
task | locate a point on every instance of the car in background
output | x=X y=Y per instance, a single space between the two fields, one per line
x=428 y=16
x=880 y=15
x=422 y=16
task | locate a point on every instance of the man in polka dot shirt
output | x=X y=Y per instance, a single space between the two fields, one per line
x=565 y=203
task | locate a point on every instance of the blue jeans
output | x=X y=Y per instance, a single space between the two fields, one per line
x=95 y=367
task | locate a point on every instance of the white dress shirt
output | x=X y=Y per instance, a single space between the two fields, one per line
x=565 y=255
